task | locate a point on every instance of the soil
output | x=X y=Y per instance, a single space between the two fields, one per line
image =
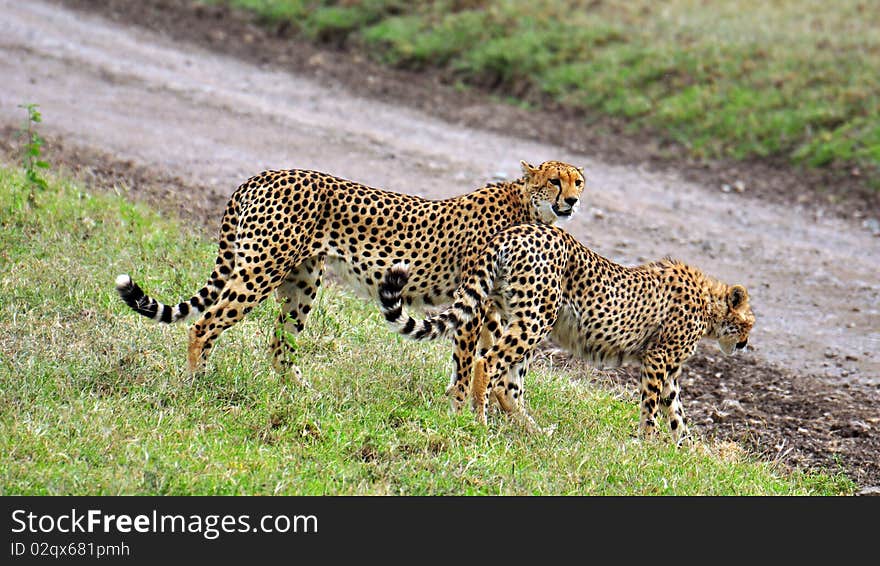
x=176 y=103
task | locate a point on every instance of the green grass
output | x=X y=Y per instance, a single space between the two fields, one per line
x=94 y=399
x=793 y=79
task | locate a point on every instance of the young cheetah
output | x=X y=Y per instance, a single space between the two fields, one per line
x=543 y=282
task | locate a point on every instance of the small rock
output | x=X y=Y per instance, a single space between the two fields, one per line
x=316 y=60
x=725 y=188
x=719 y=415
x=853 y=429
x=872 y=225
x=739 y=186
x=851 y=358
x=873 y=490
x=733 y=405
x=597 y=213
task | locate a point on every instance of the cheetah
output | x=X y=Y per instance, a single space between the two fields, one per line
x=281 y=228
x=546 y=283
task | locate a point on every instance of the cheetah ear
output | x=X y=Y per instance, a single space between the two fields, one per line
x=528 y=169
x=737 y=296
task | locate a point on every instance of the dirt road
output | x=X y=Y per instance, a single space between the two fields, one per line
x=210 y=120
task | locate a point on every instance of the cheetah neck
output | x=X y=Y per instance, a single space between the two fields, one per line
x=714 y=302
x=520 y=198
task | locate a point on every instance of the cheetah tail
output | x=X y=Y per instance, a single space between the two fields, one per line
x=135 y=297
x=439 y=325
x=143 y=304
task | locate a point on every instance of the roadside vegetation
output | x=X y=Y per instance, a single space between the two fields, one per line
x=95 y=399
x=794 y=80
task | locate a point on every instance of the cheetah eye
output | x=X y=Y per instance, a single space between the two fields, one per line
x=556 y=182
x=578 y=183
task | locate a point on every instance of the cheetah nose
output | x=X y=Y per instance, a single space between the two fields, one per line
x=571 y=201
x=743 y=344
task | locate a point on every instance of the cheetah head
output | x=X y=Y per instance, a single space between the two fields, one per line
x=733 y=329
x=555 y=189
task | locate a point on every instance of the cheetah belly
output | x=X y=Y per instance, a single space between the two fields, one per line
x=571 y=334
x=355 y=282
x=364 y=286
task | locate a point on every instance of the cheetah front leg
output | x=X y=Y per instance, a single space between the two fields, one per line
x=650 y=387
x=660 y=389
x=295 y=294
x=670 y=400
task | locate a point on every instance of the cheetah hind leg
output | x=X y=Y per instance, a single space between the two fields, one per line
x=460 y=383
x=490 y=333
x=222 y=314
x=295 y=294
x=474 y=341
x=499 y=387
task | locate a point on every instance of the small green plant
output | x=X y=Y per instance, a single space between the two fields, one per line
x=32 y=160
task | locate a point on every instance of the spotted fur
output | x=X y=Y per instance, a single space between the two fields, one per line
x=543 y=282
x=280 y=229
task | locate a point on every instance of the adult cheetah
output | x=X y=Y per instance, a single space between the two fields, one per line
x=544 y=282
x=280 y=229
